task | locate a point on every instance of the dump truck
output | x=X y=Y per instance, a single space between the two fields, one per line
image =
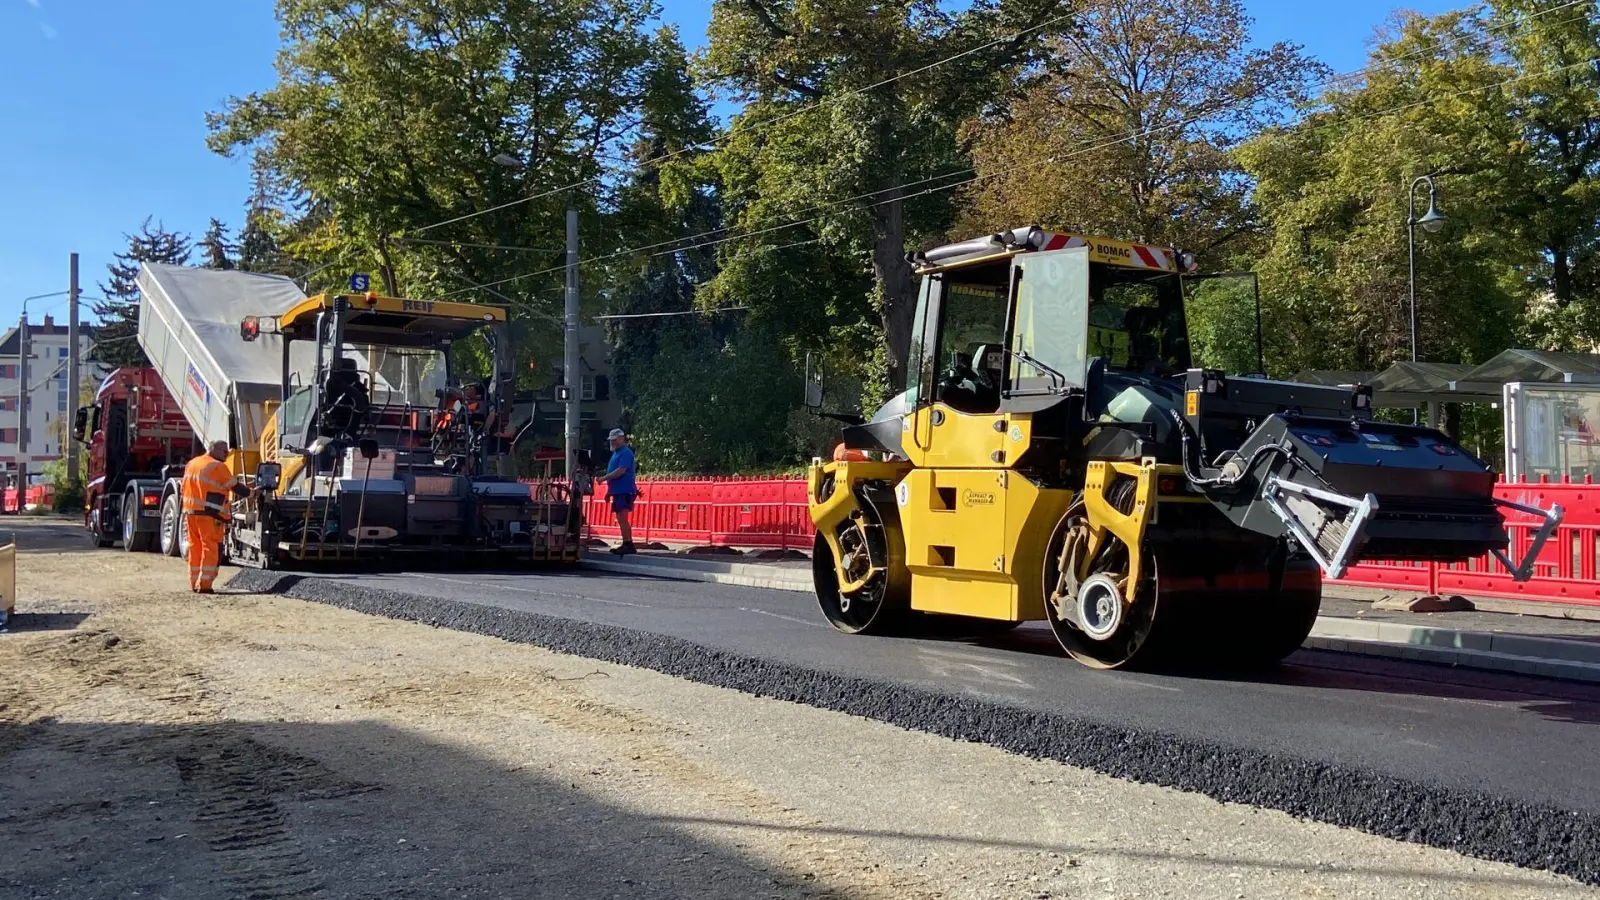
x=301 y=388
x=1056 y=456
x=134 y=435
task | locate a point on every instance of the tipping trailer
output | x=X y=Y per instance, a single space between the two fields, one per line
x=223 y=388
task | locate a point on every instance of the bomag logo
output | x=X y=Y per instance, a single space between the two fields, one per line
x=970 y=497
x=421 y=306
x=1109 y=250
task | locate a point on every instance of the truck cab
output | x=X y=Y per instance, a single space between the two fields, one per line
x=134 y=433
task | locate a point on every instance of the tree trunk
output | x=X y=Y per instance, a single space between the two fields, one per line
x=1561 y=263
x=386 y=269
x=897 y=305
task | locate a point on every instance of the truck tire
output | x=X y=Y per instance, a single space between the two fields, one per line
x=134 y=540
x=96 y=531
x=171 y=526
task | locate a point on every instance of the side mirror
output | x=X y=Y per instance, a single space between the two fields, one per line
x=368 y=448
x=267 y=475
x=815 y=381
x=80 y=425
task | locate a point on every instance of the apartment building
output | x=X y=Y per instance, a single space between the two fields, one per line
x=48 y=391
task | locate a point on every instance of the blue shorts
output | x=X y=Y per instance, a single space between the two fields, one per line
x=622 y=502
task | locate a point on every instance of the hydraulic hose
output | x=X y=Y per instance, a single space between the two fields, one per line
x=1220 y=481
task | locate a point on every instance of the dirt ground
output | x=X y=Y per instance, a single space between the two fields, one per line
x=153 y=744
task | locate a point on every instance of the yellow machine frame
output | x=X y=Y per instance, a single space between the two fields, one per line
x=975 y=533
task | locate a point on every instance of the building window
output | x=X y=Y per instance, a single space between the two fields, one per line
x=8 y=435
x=588 y=387
x=8 y=371
x=62 y=354
x=8 y=404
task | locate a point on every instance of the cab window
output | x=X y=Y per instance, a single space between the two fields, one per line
x=970 y=363
x=1136 y=320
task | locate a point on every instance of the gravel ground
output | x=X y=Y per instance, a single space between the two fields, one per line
x=157 y=745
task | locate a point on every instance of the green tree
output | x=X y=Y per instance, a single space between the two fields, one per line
x=118 y=311
x=832 y=133
x=217 y=249
x=1129 y=132
x=1499 y=103
x=388 y=118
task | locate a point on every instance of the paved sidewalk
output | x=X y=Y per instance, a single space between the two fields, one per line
x=1550 y=646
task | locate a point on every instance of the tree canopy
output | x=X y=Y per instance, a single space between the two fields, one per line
x=118 y=310
x=438 y=144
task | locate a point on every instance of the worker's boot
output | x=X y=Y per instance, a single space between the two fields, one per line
x=624 y=549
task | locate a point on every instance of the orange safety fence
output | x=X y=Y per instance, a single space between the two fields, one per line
x=39 y=497
x=770 y=513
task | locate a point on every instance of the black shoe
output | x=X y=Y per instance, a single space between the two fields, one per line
x=626 y=549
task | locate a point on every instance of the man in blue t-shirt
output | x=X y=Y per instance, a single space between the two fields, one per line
x=620 y=486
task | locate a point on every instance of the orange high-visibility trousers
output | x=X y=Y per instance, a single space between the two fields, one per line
x=205 y=546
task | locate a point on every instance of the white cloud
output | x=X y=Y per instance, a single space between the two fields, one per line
x=49 y=32
x=34 y=3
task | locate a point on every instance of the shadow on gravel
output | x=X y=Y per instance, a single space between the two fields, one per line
x=64 y=621
x=363 y=810
x=349 y=810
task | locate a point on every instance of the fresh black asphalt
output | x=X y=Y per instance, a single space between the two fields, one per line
x=1497 y=766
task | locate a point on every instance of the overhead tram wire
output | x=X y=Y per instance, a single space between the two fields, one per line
x=1056 y=161
x=741 y=128
x=1031 y=166
x=831 y=205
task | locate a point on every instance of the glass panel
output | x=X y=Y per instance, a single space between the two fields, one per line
x=919 y=371
x=1052 y=307
x=1136 y=321
x=400 y=376
x=970 y=344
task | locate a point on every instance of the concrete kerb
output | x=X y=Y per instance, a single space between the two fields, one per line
x=1521 y=654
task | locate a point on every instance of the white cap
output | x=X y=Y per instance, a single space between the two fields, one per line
x=615 y=434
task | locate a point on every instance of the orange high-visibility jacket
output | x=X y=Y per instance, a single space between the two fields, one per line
x=206 y=483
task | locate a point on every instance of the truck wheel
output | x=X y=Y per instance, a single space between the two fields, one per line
x=134 y=540
x=171 y=526
x=96 y=529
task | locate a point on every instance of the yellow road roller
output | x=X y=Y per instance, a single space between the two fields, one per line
x=1055 y=455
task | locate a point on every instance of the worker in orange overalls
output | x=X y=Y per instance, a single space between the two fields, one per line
x=207 y=482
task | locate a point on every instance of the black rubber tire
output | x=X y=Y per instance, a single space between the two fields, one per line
x=133 y=540
x=171 y=531
x=96 y=533
x=882 y=617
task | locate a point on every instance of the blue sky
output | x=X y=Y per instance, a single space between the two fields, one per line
x=103 y=103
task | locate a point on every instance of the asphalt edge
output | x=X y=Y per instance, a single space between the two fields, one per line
x=1565 y=842
x=1539 y=657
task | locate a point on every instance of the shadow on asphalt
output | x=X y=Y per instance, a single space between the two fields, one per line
x=46 y=534
x=362 y=809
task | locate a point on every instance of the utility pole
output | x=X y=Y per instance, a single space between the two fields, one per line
x=72 y=371
x=22 y=410
x=570 y=366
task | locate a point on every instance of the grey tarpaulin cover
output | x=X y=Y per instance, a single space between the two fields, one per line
x=189 y=327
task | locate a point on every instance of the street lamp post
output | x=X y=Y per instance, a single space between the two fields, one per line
x=1431 y=222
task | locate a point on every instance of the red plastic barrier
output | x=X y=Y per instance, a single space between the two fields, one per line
x=770 y=513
